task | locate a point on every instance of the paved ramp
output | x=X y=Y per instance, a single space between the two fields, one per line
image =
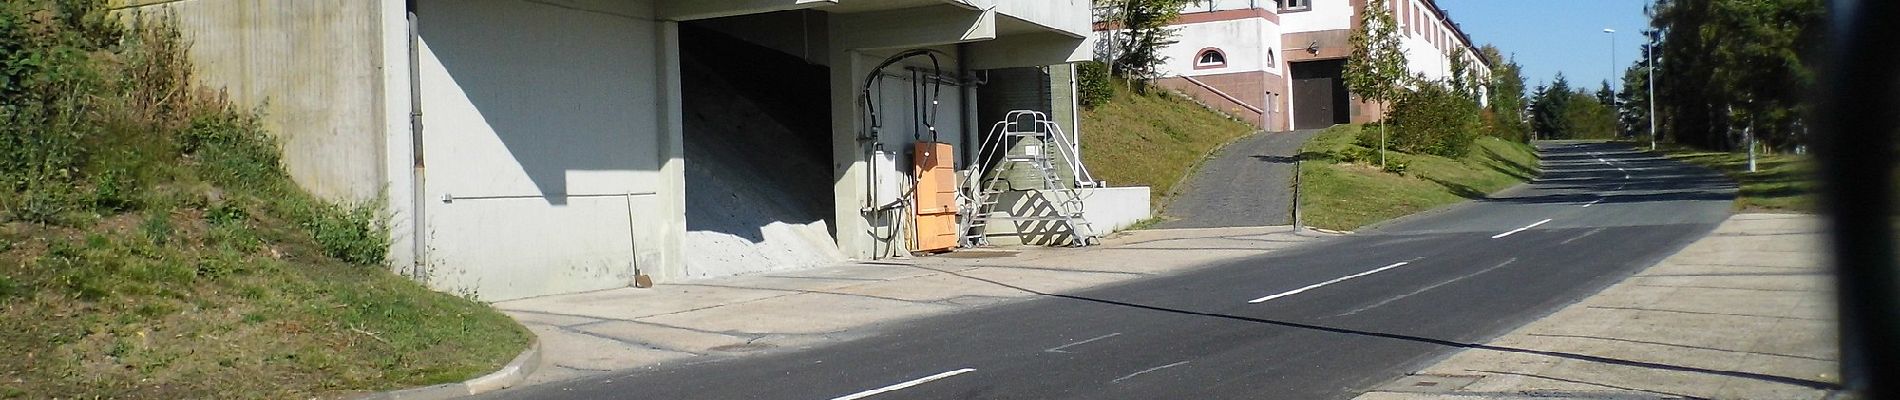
x=1247 y=183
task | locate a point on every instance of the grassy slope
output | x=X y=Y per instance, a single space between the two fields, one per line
x=1349 y=195
x=1781 y=183
x=1152 y=140
x=151 y=246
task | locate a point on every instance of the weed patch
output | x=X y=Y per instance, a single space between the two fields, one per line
x=152 y=246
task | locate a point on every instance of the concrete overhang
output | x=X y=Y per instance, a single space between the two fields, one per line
x=1028 y=50
x=913 y=27
x=686 y=10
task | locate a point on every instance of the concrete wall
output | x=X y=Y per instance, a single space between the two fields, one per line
x=550 y=150
x=1107 y=210
x=312 y=67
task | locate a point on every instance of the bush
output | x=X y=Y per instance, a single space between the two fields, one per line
x=1093 y=83
x=1433 y=120
x=354 y=234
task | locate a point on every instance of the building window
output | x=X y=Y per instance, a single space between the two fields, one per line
x=1210 y=58
x=1270 y=61
x=1295 y=5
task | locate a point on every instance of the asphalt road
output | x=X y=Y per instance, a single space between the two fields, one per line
x=1247 y=183
x=1326 y=320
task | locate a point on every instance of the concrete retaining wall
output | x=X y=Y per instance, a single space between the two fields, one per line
x=1106 y=209
x=311 y=67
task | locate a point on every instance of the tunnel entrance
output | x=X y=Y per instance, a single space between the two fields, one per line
x=757 y=133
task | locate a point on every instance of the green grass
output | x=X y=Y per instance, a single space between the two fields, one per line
x=1781 y=183
x=152 y=246
x=1343 y=187
x=1152 y=140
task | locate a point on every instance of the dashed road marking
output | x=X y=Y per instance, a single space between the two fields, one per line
x=1591 y=232
x=1335 y=280
x=1058 y=349
x=902 y=386
x=1526 y=228
x=1119 y=380
x=1428 y=288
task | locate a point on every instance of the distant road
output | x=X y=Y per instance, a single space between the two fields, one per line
x=1247 y=183
x=1324 y=321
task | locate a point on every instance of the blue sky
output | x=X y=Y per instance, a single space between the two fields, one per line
x=1548 y=36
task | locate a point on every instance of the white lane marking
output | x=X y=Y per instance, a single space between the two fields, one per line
x=1058 y=349
x=1427 y=288
x=1526 y=228
x=1594 y=202
x=1591 y=232
x=1119 y=380
x=1335 y=280
x=902 y=386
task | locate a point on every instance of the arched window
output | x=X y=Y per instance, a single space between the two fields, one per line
x=1270 y=61
x=1210 y=58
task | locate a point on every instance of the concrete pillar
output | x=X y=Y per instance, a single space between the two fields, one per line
x=670 y=261
x=407 y=252
x=847 y=155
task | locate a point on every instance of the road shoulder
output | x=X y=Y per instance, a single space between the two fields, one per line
x=1745 y=312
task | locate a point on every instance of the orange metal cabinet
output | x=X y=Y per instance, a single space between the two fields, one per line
x=936 y=195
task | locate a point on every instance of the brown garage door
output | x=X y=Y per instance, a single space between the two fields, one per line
x=1319 y=94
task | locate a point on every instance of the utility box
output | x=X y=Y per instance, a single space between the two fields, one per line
x=936 y=194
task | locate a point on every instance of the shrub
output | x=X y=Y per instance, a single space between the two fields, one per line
x=350 y=233
x=1093 y=83
x=1433 y=120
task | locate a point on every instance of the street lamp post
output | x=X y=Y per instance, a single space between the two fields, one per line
x=1615 y=113
x=1649 y=56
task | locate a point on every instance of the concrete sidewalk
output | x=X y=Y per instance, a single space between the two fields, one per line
x=1745 y=313
x=588 y=333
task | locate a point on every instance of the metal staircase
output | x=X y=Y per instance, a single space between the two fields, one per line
x=997 y=159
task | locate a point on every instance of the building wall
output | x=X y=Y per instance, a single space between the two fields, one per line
x=1323 y=16
x=1251 y=85
x=1246 y=43
x=546 y=139
x=311 y=67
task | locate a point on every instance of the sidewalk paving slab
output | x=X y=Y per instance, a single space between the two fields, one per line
x=1744 y=313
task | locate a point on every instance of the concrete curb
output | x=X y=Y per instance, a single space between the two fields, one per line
x=508 y=376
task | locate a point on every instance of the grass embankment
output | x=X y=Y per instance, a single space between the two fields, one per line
x=1781 y=182
x=152 y=246
x=1343 y=187
x=1152 y=139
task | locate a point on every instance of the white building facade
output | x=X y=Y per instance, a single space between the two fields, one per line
x=1279 y=64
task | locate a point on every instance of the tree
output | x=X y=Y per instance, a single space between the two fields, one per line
x=1136 y=47
x=1605 y=95
x=1461 y=81
x=1728 y=66
x=1506 y=95
x=1634 y=98
x=1377 y=64
x=1548 y=109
